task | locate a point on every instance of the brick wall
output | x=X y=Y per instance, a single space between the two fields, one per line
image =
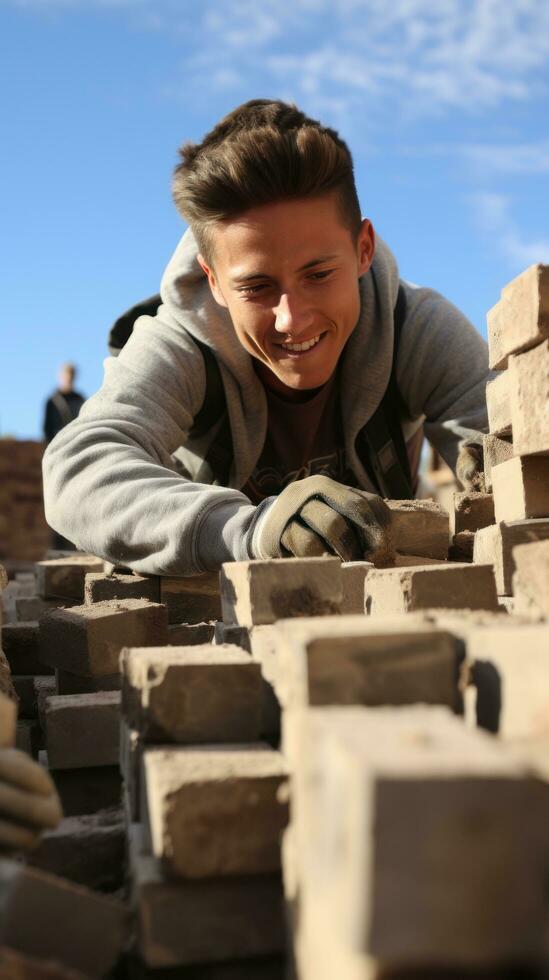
x=24 y=533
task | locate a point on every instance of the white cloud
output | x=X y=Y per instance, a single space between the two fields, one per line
x=493 y=215
x=419 y=56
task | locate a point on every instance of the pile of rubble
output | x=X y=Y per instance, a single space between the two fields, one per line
x=302 y=767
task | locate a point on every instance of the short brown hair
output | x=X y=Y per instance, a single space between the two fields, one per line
x=260 y=153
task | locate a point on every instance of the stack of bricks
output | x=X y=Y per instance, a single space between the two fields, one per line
x=517 y=448
x=24 y=534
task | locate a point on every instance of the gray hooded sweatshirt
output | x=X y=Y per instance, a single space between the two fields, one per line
x=124 y=482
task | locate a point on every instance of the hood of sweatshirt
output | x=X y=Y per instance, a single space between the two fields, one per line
x=366 y=359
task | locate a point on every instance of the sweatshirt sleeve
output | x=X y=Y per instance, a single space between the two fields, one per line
x=442 y=371
x=110 y=484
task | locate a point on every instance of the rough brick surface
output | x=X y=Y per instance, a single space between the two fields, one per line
x=99 y=587
x=529 y=384
x=88 y=850
x=365 y=660
x=190 y=634
x=531 y=579
x=65 y=577
x=495 y=544
x=498 y=404
x=521 y=488
x=67 y=683
x=521 y=318
x=203 y=694
x=37 y=908
x=191 y=600
x=219 y=919
x=420 y=527
x=462 y=546
x=414 y=801
x=511 y=676
x=472 y=511
x=82 y=730
x=353 y=576
x=453 y=586
x=255 y=593
x=20 y=643
x=87 y=640
x=496 y=450
x=215 y=810
x=84 y=791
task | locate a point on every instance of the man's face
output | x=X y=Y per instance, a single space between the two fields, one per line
x=288 y=275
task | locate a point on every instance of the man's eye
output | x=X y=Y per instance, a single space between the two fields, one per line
x=322 y=274
x=251 y=290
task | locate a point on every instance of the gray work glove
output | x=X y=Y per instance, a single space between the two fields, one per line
x=317 y=516
x=28 y=801
x=470 y=466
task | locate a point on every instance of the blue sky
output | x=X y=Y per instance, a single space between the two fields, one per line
x=443 y=102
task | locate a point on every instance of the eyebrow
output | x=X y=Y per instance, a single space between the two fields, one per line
x=263 y=275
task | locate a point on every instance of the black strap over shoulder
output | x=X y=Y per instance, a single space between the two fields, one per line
x=214 y=404
x=380 y=443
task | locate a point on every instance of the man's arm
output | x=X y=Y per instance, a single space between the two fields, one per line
x=442 y=372
x=109 y=480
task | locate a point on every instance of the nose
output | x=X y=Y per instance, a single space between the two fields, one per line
x=292 y=315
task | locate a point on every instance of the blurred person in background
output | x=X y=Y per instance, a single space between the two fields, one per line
x=64 y=404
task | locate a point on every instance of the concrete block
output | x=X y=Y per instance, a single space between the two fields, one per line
x=215 y=810
x=8 y=721
x=131 y=752
x=87 y=640
x=201 y=694
x=190 y=634
x=451 y=586
x=462 y=547
x=183 y=922
x=521 y=488
x=510 y=671
x=238 y=636
x=529 y=385
x=498 y=404
x=23 y=685
x=255 y=593
x=3 y=578
x=495 y=450
x=29 y=737
x=39 y=907
x=86 y=790
x=99 y=587
x=44 y=688
x=82 y=730
x=65 y=577
x=191 y=600
x=495 y=545
x=420 y=527
x=67 y=683
x=364 y=660
x=409 y=561
x=20 y=643
x=88 y=850
x=353 y=576
x=531 y=579
x=395 y=807
x=471 y=511
x=521 y=318
x=31 y=608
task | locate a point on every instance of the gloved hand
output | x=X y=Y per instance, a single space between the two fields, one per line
x=317 y=516
x=28 y=800
x=470 y=466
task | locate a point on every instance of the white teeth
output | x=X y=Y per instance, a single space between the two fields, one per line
x=301 y=347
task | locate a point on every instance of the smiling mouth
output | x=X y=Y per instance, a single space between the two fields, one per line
x=302 y=348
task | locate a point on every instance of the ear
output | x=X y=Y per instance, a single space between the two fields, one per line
x=366 y=246
x=210 y=275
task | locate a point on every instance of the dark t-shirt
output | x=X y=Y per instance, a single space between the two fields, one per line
x=305 y=439
x=61 y=408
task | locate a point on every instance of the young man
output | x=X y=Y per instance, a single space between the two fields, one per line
x=330 y=368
